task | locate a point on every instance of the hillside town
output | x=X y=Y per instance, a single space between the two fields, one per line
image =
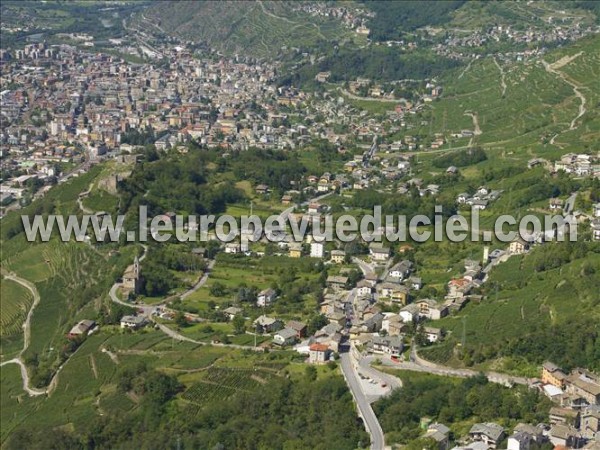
x=66 y=108
x=158 y=338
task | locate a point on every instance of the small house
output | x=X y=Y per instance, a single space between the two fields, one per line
x=133 y=322
x=489 y=433
x=267 y=324
x=266 y=297
x=338 y=256
x=83 y=327
x=287 y=336
x=318 y=353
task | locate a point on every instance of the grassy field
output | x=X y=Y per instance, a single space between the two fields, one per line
x=101 y=201
x=231 y=272
x=371 y=106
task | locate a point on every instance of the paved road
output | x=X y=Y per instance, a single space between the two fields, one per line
x=200 y=282
x=365 y=367
x=284 y=215
x=364 y=267
x=417 y=364
x=570 y=204
x=364 y=408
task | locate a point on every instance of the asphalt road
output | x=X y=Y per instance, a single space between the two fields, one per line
x=366 y=412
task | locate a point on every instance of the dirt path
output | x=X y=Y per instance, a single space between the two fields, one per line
x=503 y=76
x=27 y=339
x=554 y=69
x=270 y=14
x=465 y=69
x=476 y=129
x=26 y=334
x=200 y=282
x=93 y=366
x=33 y=392
x=80 y=200
x=36 y=300
x=111 y=355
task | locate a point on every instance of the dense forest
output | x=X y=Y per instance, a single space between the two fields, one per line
x=176 y=182
x=277 y=170
x=310 y=413
x=379 y=63
x=451 y=402
x=408 y=205
x=460 y=159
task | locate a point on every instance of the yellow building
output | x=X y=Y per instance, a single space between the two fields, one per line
x=295 y=250
x=551 y=374
x=338 y=256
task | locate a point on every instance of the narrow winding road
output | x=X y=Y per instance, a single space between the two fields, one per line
x=26 y=335
x=418 y=364
x=553 y=69
x=201 y=282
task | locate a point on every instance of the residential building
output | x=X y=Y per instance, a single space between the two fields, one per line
x=393 y=291
x=364 y=288
x=266 y=324
x=299 y=327
x=489 y=433
x=133 y=322
x=565 y=436
x=518 y=246
x=231 y=312
x=432 y=334
x=584 y=384
x=82 y=328
x=338 y=256
x=519 y=441
x=317 y=249
x=386 y=345
x=440 y=433
x=401 y=270
x=266 y=297
x=409 y=313
x=552 y=374
x=564 y=416
x=295 y=250
x=378 y=252
x=590 y=422
x=430 y=309
x=287 y=336
x=318 y=353
x=336 y=282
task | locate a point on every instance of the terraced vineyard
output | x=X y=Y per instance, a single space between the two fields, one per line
x=251 y=28
x=15 y=301
x=222 y=383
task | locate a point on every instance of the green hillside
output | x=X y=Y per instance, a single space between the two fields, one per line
x=533 y=305
x=256 y=29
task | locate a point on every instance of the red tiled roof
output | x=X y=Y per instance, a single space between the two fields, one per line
x=318 y=348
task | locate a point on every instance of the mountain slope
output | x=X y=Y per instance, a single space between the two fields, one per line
x=250 y=28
